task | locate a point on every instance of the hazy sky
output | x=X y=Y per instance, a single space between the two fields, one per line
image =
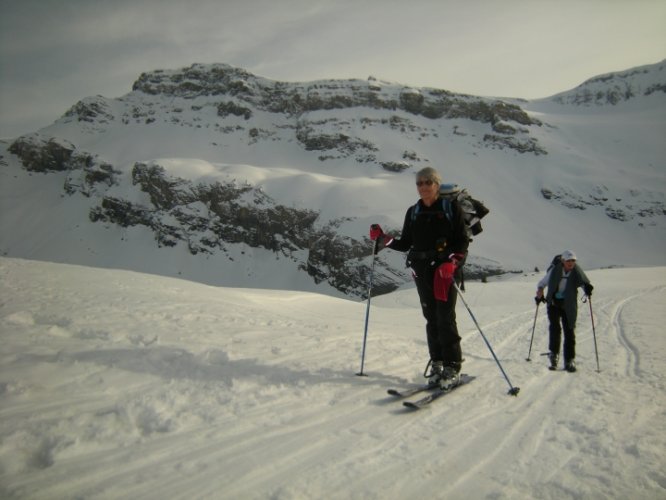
x=56 y=52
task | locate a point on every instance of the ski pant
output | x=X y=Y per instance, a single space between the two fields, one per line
x=558 y=322
x=441 y=326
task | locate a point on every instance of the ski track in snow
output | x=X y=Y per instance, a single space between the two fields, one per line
x=115 y=384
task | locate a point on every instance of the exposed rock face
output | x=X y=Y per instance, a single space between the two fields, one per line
x=238 y=93
x=297 y=98
x=44 y=156
x=616 y=208
x=85 y=171
x=210 y=217
x=614 y=88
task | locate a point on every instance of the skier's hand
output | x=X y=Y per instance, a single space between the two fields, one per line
x=456 y=258
x=588 y=289
x=384 y=240
x=539 y=296
x=376 y=231
x=381 y=239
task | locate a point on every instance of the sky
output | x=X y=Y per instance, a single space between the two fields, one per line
x=54 y=53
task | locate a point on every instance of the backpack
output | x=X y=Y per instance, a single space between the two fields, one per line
x=473 y=209
x=556 y=260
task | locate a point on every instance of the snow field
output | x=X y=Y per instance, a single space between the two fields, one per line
x=117 y=384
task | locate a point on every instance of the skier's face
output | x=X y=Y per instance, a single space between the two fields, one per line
x=428 y=190
x=569 y=264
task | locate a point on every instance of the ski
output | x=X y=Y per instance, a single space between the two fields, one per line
x=405 y=393
x=556 y=369
x=417 y=405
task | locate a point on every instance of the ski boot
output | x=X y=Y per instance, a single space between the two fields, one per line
x=570 y=366
x=450 y=378
x=436 y=368
x=554 y=358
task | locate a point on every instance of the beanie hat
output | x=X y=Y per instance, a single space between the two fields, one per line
x=568 y=255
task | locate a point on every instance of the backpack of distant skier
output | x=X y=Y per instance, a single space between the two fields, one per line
x=473 y=210
x=556 y=260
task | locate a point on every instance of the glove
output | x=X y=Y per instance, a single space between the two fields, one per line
x=588 y=289
x=376 y=231
x=539 y=297
x=381 y=239
x=456 y=258
x=443 y=280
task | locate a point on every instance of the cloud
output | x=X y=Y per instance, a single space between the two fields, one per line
x=53 y=54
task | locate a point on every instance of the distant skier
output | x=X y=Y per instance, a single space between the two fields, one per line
x=563 y=279
x=435 y=238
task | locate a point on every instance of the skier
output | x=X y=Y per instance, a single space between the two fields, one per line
x=435 y=238
x=563 y=279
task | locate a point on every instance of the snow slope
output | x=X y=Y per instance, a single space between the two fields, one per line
x=115 y=384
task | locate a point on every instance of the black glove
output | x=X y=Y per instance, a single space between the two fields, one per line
x=538 y=300
x=588 y=289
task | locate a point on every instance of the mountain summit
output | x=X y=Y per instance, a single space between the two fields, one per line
x=217 y=175
x=614 y=88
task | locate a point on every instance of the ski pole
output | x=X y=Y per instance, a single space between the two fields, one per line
x=594 y=333
x=375 y=249
x=538 y=302
x=513 y=391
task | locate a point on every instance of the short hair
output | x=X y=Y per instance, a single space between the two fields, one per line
x=429 y=173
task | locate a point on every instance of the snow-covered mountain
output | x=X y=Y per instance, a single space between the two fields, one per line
x=216 y=175
x=614 y=88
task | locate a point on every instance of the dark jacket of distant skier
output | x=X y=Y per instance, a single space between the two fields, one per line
x=569 y=296
x=562 y=280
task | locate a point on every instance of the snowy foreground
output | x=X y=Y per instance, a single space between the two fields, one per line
x=115 y=384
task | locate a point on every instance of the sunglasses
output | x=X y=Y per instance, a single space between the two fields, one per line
x=427 y=183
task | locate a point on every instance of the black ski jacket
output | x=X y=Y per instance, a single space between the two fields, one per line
x=424 y=232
